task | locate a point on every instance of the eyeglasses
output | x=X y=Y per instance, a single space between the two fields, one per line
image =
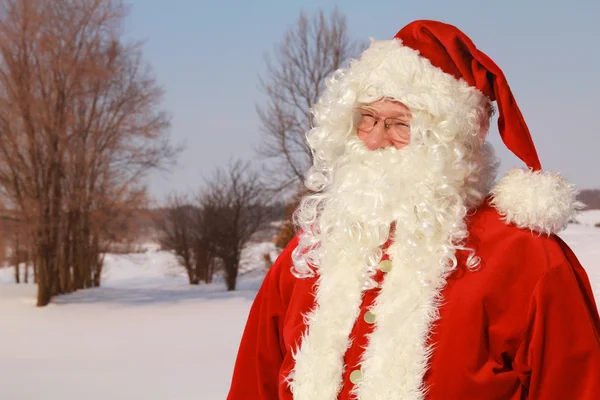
x=367 y=120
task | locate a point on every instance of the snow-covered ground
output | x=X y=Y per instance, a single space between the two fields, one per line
x=147 y=334
x=589 y=218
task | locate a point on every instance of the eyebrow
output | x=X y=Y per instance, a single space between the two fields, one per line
x=404 y=114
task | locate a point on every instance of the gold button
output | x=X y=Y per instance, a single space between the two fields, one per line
x=385 y=266
x=369 y=317
x=355 y=376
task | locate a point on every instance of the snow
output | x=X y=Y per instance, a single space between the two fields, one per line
x=146 y=333
x=589 y=217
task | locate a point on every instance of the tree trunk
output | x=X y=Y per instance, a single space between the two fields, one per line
x=97 y=278
x=15 y=258
x=231 y=274
x=17 y=274
x=191 y=272
x=98 y=265
x=210 y=270
x=231 y=281
x=34 y=265
x=44 y=292
x=26 y=261
x=203 y=263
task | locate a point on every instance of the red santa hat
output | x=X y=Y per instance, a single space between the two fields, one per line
x=529 y=198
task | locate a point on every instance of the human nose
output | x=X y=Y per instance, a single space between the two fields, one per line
x=377 y=138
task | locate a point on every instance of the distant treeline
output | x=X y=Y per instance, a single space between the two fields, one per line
x=591 y=198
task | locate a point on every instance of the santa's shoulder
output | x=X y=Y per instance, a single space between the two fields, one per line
x=502 y=244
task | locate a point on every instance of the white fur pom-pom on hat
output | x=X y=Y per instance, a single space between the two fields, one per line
x=543 y=202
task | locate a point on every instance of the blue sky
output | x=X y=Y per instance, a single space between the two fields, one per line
x=208 y=56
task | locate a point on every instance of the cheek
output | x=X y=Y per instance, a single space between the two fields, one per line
x=402 y=141
x=363 y=136
x=399 y=145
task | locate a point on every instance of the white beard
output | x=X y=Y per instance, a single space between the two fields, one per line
x=367 y=192
x=369 y=185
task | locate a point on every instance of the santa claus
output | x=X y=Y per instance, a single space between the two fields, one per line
x=414 y=276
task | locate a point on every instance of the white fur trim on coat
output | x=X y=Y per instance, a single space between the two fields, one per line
x=543 y=202
x=319 y=361
x=397 y=357
x=405 y=308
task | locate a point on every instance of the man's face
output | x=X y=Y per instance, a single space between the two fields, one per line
x=384 y=123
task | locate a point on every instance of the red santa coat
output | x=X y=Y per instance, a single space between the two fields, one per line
x=524 y=326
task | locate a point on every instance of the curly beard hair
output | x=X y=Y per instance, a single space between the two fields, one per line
x=423 y=190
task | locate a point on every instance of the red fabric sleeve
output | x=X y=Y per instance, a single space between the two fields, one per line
x=560 y=356
x=259 y=359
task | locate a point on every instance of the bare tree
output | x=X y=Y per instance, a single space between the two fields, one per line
x=214 y=229
x=233 y=209
x=310 y=51
x=19 y=255
x=206 y=262
x=182 y=231
x=591 y=198
x=14 y=244
x=80 y=127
